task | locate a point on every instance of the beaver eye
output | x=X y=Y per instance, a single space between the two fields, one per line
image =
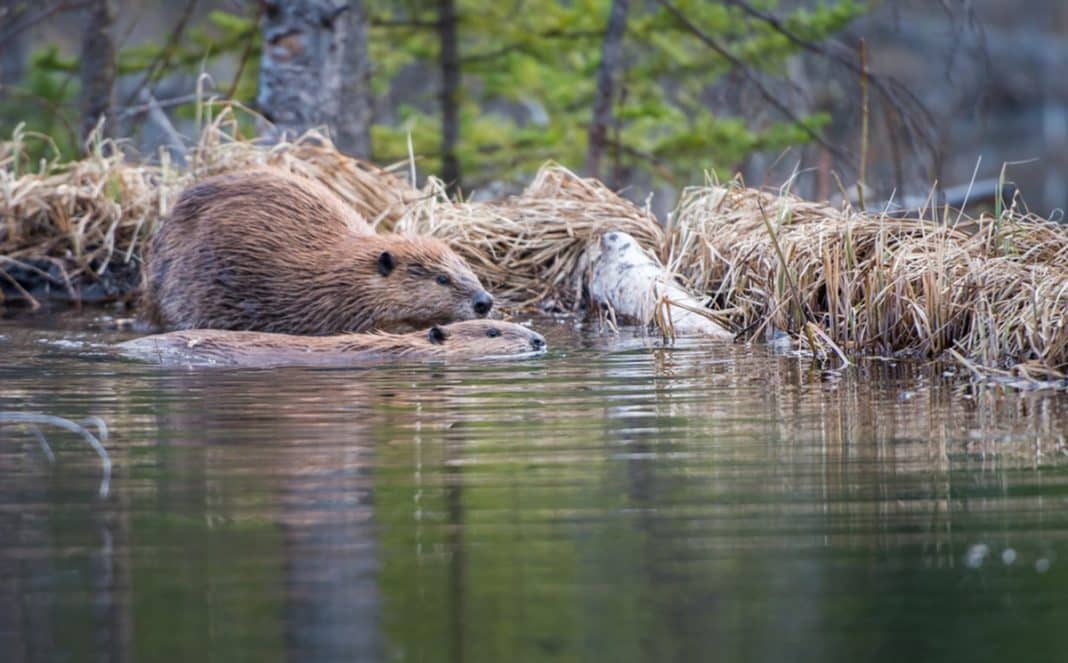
x=442 y=279
x=493 y=333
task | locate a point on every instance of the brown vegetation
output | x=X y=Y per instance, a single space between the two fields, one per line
x=529 y=248
x=65 y=227
x=992 y=290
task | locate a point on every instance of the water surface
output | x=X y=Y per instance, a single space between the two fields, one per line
x=615 y=500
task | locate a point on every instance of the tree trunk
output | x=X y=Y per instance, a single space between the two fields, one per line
x=355 y=110
x=314 y=70
x=98 y=68
x=450 y=88
x=611 y=65
x=13 y=54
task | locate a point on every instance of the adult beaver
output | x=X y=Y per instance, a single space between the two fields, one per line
x=471 y=339
x=269 y=251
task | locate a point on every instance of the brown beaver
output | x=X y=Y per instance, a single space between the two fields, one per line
x=269 y=251
x=471 y=339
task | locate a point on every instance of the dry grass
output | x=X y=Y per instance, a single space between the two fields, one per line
x=379 y=195
x=529 y=248
x=993 y=289
x=73 y=224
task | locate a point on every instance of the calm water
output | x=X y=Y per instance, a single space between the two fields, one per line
x=615 y=500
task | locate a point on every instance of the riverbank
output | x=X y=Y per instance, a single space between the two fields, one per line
x=990 y=292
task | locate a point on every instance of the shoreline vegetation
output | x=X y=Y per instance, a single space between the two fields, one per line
x=990 y=292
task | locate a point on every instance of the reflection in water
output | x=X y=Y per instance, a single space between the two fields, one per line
x=615 y=500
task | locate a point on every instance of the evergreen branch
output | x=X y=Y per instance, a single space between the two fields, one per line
x=389 y=23
x=657 y=164
x=555 y=33
x=46 y=103
x=748 y=75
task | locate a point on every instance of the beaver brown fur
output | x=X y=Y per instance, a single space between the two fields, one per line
x=270 y=251
x=471 y=339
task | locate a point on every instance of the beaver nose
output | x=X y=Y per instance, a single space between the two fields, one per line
x=483 y=303
x=538 y=342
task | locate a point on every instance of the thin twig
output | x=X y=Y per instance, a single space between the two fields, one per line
x=42 y=442
x=748 y=75
x=889 y=88
x=865 y=118
x=163 y=58
x=164 y=123
x=45 y=13
x=245 y=53
x=33 y=418
x=130 y=111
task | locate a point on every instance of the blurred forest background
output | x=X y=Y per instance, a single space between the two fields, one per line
x=648 y=96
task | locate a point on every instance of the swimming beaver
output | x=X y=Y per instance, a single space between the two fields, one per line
x=269 y=251
x=471 y=339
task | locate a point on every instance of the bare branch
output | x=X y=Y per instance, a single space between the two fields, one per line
x=95 y=441
x=44 y=14
x=748 y=75
x=243 y=62
x=892 y=91
x=162 y=59
x=156 y=114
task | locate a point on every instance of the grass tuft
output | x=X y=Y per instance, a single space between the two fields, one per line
x=994 y=289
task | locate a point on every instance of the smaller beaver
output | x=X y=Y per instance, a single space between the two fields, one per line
x=269 y=251
x=471 y=339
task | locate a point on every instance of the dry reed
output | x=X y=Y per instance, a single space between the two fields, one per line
x=529 y=248
x=69 y=225
x=993 y=289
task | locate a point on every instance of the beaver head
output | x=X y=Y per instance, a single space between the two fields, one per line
x=486 y=339
x=405 y=281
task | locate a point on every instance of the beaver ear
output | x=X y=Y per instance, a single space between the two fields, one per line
x=386 y=263
x=437 y=335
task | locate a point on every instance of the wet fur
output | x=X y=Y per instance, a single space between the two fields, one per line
x=268 y=251
x=458 y=341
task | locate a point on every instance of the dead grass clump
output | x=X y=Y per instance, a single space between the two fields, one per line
x=76 y=222
x=991 y=291
x=529 y=248
x=79 y=227
x=379 y=195
x=994 y=290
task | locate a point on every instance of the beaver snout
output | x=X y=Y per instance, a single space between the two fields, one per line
x=482 y=303
x=538 y=342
